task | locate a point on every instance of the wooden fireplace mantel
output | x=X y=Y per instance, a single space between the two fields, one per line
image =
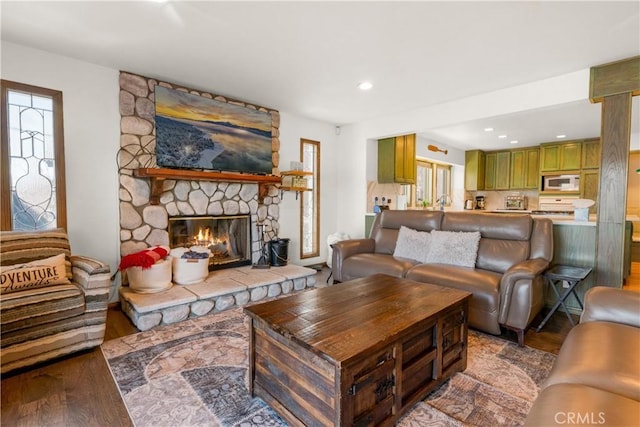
x=158 y=175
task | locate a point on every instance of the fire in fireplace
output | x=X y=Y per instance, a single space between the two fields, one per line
x=227 y=237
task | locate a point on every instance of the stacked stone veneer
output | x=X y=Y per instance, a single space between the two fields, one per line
x=143 y=225
x=221 y=290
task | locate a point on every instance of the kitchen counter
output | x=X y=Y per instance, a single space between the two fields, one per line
x=558 y=219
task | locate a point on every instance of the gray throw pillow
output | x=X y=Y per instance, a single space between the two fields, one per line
x=455 y=248
x=412 y=244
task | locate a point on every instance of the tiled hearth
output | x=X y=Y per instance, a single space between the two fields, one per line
x=221 y=290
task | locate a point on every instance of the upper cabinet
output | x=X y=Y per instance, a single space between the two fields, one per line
x=560 y=157
x=503 y=170
x=474 y=164
x=589 y=181
x=524 y=168
x=497 y=170
x=591 y=154
x=397 y=160
x=490 y=171
x=521 y=169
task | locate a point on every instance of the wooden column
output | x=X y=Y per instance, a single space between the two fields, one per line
x=613 y=85
x=612 y=192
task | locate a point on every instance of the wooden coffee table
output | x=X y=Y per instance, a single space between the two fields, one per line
x=358 y=353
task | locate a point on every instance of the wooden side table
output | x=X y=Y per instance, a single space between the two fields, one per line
x=573 y=276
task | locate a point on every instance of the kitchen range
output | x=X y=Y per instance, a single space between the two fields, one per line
x=556 y=205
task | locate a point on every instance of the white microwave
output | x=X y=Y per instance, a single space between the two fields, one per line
x=561 y=183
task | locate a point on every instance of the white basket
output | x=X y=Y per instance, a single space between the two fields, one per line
x=190 y=271
x=152 y=280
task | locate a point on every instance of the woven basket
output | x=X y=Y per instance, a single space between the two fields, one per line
x=152 y=280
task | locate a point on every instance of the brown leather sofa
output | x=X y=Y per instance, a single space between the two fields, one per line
x=596 y=377
x=506 y=282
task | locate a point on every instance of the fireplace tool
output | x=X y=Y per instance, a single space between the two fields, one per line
x=263 y=261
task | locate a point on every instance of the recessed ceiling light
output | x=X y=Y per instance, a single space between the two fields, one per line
x=488 y=129
x=365 y=85
x=502 y=136
x=515 y=141
x=561 y=136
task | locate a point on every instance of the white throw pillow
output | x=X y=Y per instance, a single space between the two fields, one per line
x=412 y=244
x=453 y=247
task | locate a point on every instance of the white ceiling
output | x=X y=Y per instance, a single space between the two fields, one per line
x=307 y=58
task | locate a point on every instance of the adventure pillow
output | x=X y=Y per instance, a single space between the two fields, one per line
x=34 y=274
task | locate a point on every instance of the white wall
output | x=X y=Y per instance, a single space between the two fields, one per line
x=292 y=129
x=454 y=156
x=351 y=203
x=91 y=141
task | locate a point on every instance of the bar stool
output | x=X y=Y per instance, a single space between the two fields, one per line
x=573 y=276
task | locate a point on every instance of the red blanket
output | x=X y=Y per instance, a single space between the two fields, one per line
x=144 y=259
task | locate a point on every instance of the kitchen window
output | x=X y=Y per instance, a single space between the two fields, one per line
x=433 y=180
x=32 y=158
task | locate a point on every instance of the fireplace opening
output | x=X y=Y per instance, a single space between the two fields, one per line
x=227 y=237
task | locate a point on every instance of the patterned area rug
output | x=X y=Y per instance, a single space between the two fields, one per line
x=194 y=373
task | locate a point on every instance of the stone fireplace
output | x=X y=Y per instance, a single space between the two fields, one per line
x=227 y=237
x=146 y=218
x=155 y=204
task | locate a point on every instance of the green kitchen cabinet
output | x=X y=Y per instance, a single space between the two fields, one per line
x=591 y=154
x=474 y=166
x=524 y=168
x=532 y=162
x=549 y=157
x=503 y=170
x=560 y=157
x=490 y=171
x=397 y=160
x=497 y=171
x=589 y=183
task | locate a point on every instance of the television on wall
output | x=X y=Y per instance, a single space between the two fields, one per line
x=194 y=132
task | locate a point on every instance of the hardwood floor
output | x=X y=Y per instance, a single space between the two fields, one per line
x=78 y=390
x=633 y=281
x=75 y=390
